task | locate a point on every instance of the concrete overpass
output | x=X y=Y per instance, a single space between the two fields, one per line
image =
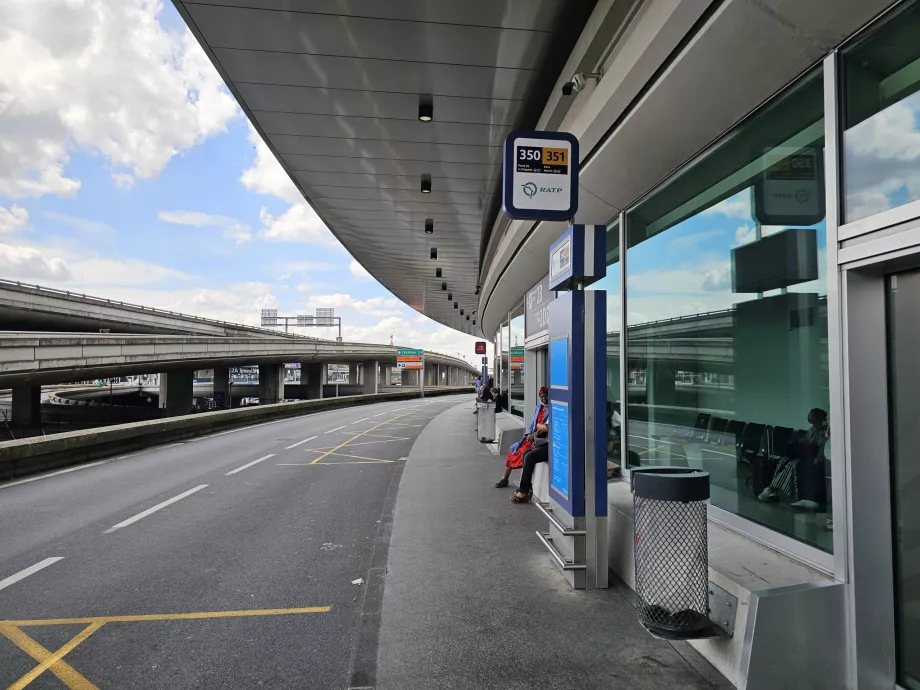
x=28 y=361
x=25 y=307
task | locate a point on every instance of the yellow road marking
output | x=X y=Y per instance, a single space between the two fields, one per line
x=406 y=425
x=320 y=464
x=373 y=428
x=52 y=659
x=398 y=438
x=170 y=616
x=66 y=673
x=347 y=455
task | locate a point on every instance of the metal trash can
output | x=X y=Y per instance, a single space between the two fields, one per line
x=485 y=421
x=672 y=549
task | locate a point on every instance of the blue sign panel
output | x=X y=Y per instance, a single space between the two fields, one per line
x=560 y=459
x=559 y=363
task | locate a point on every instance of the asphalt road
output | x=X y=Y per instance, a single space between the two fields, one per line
x=238 y=560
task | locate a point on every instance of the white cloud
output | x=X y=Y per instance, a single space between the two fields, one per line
x=266 y=176
x=718 y=279
x=744 y=234
x=375 y=306
x=358 y=271
x=232 y=228
x=737 y=206
x=82 y=224
x=123 y=180
x=686 y=242
x=105 y=271
x=444 y=340
x=103 y=77
x=13 y=219
x=30 y=264
x=299 y=223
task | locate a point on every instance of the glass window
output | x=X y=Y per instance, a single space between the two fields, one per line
x=515 y=386
x=881 y=140
x=611 y=283
x=727 y=320
x=904 y=378
x=502 y=382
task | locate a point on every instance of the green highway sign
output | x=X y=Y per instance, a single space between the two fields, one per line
x=409 y=353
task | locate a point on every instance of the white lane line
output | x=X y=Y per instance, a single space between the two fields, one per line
x=172 y=445
x=129 y=455
x=31 y=570
x=336 y=429
x=151 y=511
x=51 y=474
x=381 y=414
x=294 y=445
x=361 y=420
x=249 y=464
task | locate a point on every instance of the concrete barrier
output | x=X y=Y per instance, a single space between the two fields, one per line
x=23 y=457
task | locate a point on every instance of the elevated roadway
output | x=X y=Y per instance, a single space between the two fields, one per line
x=25 y=307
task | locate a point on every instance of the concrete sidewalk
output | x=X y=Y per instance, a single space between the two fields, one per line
x=472 y=600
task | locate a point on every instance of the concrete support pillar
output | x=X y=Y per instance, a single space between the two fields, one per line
x=222 y=388
x=27 y=405
x=271 y=383
x=176 y=392
x=353 y=373
x=370 y=377
x=311 y=374
x=659 y=384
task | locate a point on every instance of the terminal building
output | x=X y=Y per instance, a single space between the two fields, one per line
x=756 y=164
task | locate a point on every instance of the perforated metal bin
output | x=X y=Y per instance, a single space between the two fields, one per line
x=485 y=421
x=672 y=549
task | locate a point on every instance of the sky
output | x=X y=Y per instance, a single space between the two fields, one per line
x=128 y=171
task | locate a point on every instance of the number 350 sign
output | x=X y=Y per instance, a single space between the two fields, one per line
x=541 y=175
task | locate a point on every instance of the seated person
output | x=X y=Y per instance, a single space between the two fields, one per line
x=517 y=451
x=803 y=466
x=539 y=452
x=499 y=399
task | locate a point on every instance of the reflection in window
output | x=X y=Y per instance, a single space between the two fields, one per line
x=515 y=387
x=727 y=320
x=502 y=381
x=881 y=141
x=611 y=283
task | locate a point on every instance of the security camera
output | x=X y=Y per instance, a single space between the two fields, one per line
x=578 y=82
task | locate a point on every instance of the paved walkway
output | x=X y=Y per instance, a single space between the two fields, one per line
x=472 y=600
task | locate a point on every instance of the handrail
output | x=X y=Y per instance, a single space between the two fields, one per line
x=564 y=564
x=567 y=531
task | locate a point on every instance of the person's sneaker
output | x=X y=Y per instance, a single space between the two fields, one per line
x=804 y=504
x=768 y=494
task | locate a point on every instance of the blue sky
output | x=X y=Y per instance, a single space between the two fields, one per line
x=128 y=171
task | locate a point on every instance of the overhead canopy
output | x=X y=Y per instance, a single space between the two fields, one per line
x=336 y=90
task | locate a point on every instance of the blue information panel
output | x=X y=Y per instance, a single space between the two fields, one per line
x=559 y=363
x=559 y=462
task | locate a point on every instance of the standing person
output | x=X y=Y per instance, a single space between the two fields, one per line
x=515 y=458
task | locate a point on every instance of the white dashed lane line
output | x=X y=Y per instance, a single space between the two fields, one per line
x=299 y=443
x=249 y=464
x=31 y=570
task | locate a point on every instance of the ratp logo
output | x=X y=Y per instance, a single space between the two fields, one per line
x=530 y=189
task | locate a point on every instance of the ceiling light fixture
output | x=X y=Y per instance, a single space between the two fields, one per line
x=429 y=224
x=461 y=312
x=434 y=252
x=426 y=184
x=474 y=322
x=450 y=297
x=425 y=110
x=443 y=286
x=467 y=317
x=477 y=289
x=455 y=305
x=437 y=272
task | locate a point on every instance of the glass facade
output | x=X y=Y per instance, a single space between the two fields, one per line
x=903 y=380
x=727 y=320
x=611 y=283
x=881 y=139
x=501 y=382
x=516 y=380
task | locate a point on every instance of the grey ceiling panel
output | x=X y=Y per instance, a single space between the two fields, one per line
x=374 y=75
x=335 y=86
x=368 y=38
x=389 y=106
x=383 y=182
x=339 y=127
x=293 y=146
x=534 y=15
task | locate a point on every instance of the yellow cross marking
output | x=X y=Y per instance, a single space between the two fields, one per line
x=397 y=438
x=356 y=437
x=53 y=661
x=341 y=455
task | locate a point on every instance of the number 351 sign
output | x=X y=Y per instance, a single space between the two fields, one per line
x=541 y=175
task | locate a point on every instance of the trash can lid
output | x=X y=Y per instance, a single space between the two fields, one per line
x=670 y=483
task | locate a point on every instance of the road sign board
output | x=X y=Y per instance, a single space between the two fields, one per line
x=409 y=353
x=541 y=175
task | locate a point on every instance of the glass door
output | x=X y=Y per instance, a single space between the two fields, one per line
x=903 y=297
